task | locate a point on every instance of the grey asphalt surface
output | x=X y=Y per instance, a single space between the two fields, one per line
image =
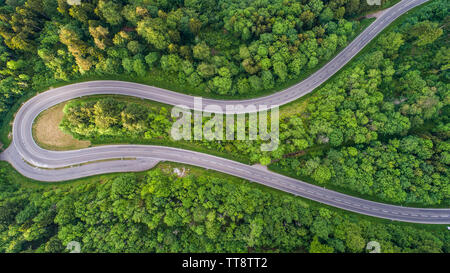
x=52 y=166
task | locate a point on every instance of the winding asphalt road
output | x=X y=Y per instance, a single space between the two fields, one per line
x=34 y=162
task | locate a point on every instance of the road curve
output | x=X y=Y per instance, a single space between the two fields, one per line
x=44 y=165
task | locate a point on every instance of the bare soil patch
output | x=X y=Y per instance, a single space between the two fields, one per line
x=48 y=135
x=375 y=14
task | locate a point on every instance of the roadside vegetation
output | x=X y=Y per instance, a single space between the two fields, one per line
x=198 y=211
x=44 y=62
x=377 y=129
x=221 y=48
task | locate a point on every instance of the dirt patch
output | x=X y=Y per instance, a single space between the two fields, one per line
x=47 y=134
x=375 y=14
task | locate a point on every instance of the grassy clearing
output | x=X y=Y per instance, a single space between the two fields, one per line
x=47 y=134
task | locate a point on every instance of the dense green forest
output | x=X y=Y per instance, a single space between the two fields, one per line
x=379 y=128
x=219 y=46
x=384 y=123
x=158 y=211
x=109 y=119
